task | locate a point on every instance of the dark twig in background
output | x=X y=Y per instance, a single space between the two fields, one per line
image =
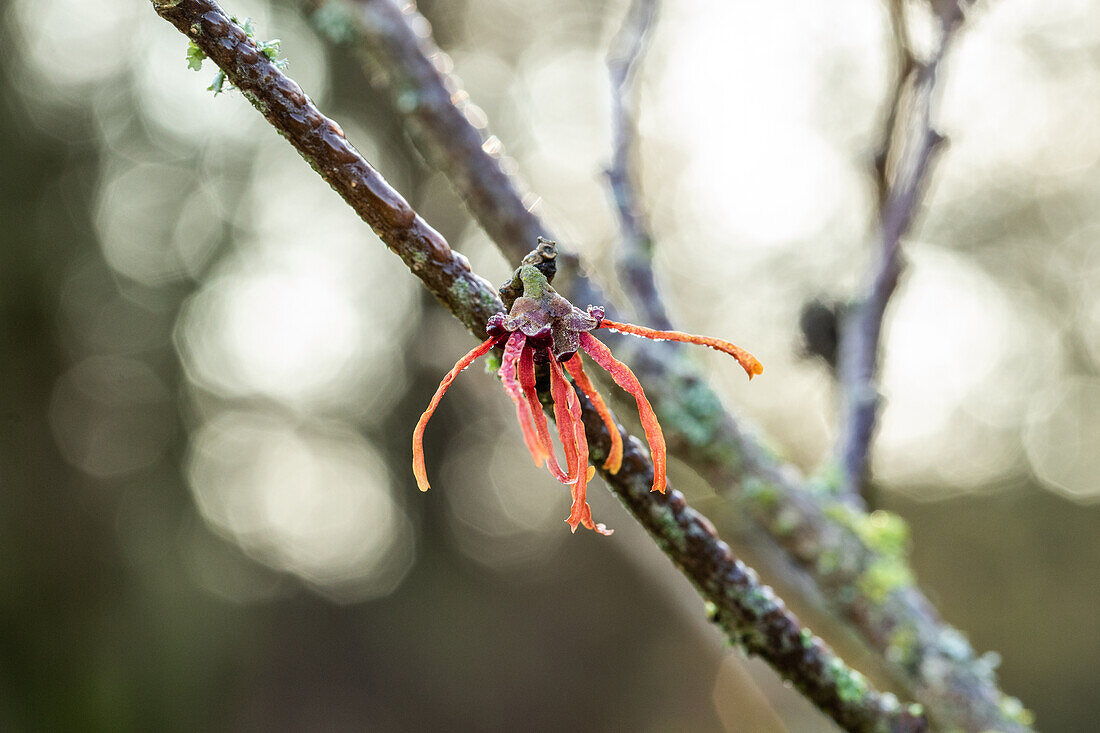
x=863 y=581
x=902 y=167
x=635 y=256
x=749 y=612
x=904 y=63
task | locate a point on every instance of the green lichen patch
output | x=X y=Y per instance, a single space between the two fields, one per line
x=684 y=416
x=671 y=530
x=1013 y=708
x=406 y=101
x=884 y=532
x=851 y=686
x=883 y=577
x=261 y=105
x=270 y=49
x=760 y=494
x=757 y=601
x=464 y=295
x=827 y=482
x=887 y=536
x=334 y=21
x=786 y=521
x=901 y=648
x=827 y=562
x=460 y=291
x=493 y=362
x=195 y=57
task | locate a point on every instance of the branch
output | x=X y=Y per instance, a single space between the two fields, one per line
x=862 y=579
x=636 y=248
x=902 y=167
x=749 y=613
x=904 y=63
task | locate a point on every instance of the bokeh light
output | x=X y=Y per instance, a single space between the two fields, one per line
x=314 y=503
x=276 y=332
x=1062 y=439
x=504 y=512
x=138 y=209
x=953 y=333
x=110 y=416
x=310 y=310
x=72 y=48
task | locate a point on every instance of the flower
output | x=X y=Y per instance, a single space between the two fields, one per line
x=544 y=330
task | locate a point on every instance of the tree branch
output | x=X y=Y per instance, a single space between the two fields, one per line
x=636 y=248
x=861 y=579
x=902 y=167
x=749 y=612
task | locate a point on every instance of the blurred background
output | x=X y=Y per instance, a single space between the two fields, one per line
x=211 y=368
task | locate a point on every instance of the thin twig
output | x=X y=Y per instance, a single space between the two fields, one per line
x=929 y=657
x=635 y=257
x=904 y=64
x=749 y=612
x=902 y=168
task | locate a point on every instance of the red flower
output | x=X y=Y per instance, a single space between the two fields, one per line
x=542 y=327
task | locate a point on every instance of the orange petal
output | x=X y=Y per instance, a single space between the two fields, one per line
x=419 y=470
x=527 y=382
x=615 y=455
x=564 y=397
x=625 y=378
x=512 y=352
x=748 y=362
x=580 y=512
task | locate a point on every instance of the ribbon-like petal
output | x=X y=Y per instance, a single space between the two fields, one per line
x=527 y=382
x=509 y=366
x=748 y=362
x=570 y=415
x=419 y=470
x=614 y=459
x=625 y=378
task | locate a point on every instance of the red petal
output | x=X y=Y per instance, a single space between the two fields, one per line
x=512 y=351
x=527 y=382
x=580 y=512
x=748 y=362
x=419 y=470
x=625 y=378
x=615 y=455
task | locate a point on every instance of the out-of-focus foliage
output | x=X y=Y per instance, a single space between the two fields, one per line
x=212 y=368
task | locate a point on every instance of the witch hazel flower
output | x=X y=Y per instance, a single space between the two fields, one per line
x=543 y=334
